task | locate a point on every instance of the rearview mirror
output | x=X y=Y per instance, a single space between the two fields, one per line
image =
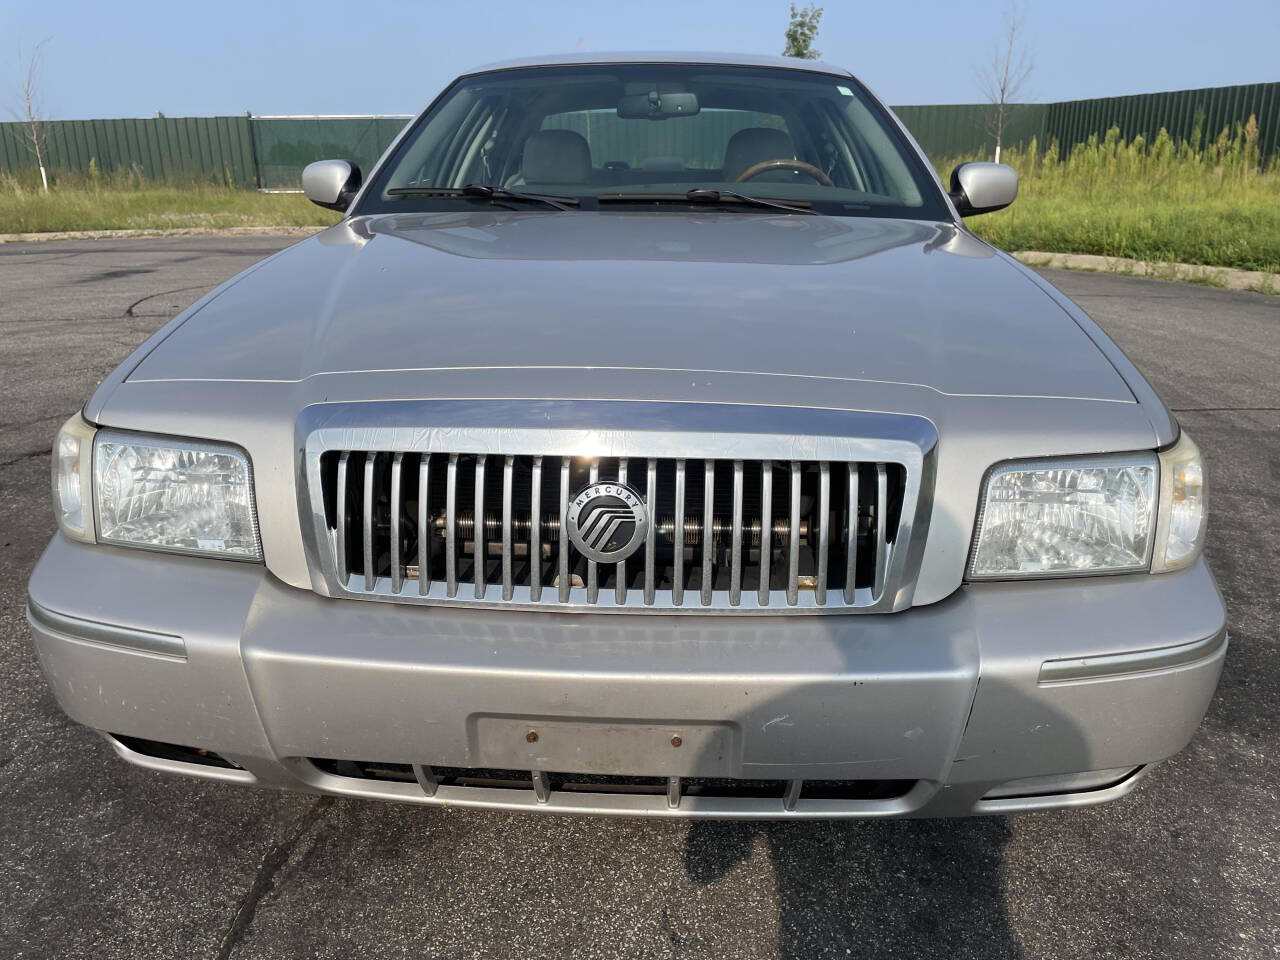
x=656 y=105
x=332 y=184
x=983 y=187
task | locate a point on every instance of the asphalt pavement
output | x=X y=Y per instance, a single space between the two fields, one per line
x=99 y=860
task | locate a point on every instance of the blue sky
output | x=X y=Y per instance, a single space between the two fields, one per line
x=187 y=58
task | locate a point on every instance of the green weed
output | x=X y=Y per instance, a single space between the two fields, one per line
x=126 y=200
x=1164 y=201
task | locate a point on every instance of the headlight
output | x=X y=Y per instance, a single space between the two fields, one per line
x=1053 y=518
x=1184 y=507
x=72 y=478
x=169 y=494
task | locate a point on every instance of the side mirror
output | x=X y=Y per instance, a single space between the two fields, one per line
x=331 y=183
x=983 y=187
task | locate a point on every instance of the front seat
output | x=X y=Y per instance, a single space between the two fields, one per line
x=556 y=156
x=754 y=145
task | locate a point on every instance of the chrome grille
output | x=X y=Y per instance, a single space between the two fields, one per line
x=736 y=534
x=752 y=509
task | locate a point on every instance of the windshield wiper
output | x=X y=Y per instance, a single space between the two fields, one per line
x=711 y=197
x=485 y=191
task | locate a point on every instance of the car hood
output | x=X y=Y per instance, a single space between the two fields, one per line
x=857 y=299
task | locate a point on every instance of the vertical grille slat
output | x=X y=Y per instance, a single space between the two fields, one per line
x=708 y=530
x=747 y=535
x=766 y=530
x=424 y=525
x=508 y=473
x=735 y=542
x=651 y=536
x=620 y=586
x=397 y=572
x=677 y=539
x=340 y=509
x=793 y=541
x=535 y=531
x=478 y=550
x=593 y=583
x=451 y=526
x=563 y=558
x=370 y=526
x=851 y=536
x=824 y=533
x=882 y=545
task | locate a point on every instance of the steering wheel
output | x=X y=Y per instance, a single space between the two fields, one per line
x=799 y=166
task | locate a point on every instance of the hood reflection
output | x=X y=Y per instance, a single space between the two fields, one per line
x=701 y=237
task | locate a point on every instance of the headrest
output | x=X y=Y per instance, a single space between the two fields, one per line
x=754 y=145
x=556 y=156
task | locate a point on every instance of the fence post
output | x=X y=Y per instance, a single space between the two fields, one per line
x=253 y=148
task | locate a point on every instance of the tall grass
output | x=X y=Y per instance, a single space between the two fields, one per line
x=1215 y=202
x=127 y=200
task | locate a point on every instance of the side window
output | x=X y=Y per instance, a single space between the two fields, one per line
x=882 y=167
x=461 y=157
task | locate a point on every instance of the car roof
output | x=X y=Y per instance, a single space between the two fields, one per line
x=665 y=56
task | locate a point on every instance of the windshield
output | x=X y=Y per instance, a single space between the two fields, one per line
x=649 y=134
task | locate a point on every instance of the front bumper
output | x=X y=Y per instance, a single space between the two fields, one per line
x=1075 y=686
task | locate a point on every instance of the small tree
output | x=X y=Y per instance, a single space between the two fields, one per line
x=1004 y=77
x=35 y=129
x=801 y=32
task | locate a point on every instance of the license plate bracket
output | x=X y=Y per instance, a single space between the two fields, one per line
x=615 y=747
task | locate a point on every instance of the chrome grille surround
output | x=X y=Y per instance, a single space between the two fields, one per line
x=561 y=444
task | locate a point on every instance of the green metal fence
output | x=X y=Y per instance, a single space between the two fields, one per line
x=962 y=129
x=173 y=149
x=270 y=152
x=287 y=144
x=264 y=152
x=1177 y=111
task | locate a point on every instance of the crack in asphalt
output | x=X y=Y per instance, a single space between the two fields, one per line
x=162 y=293
x=129 y=313
x=43 y=320
x=18 y=424
x=27 y=455
x=273 y=861
x=51 y=256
